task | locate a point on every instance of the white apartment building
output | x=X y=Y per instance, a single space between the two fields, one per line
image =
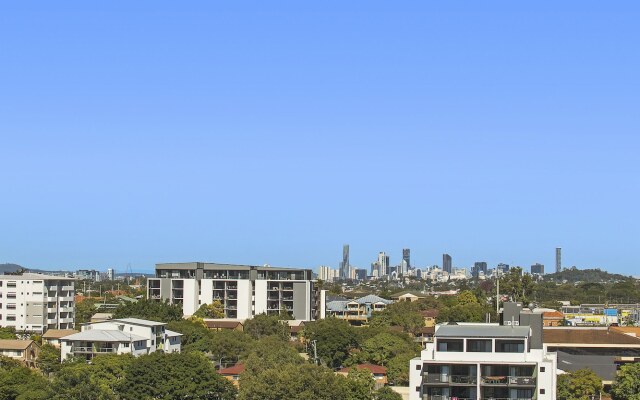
x=120 y=336
x=35 y=302
x=483 y=361
x=328 y=274
x=244 y=290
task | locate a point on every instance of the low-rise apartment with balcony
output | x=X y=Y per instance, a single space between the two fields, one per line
x=120 y=336
x=483 y=361
x=36 y=302
x=244 y=290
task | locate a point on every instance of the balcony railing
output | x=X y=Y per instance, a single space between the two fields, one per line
x=92 y=350
x=509 y=380
x=450 y=379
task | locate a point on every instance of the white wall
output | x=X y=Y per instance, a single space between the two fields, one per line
x=190 y=294
x=261 y=297
x=244 y=299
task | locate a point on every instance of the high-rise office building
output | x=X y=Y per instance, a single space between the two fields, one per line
x=344 y=265
x=446 y=263
x=383 y=263
x=111 y=274
x=479 y=266
x=406 y=260
x=558 y=259
x=537 y=269
x=327 y=274
x=504 y=268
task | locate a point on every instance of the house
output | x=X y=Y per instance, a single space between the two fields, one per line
x=120 y=336
x=379 y=373
x=600 y=348
x=224 y=325
x=52 y=336
x=296 y=328
x=552 y=318
x=408 y=296
x=357 y=311
x=486 y=360
x=430 y=317
x=233 y=373
x=25 y=351
x=425 y=334
x=101 y=317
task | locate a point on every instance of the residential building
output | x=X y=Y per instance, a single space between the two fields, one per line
x=25 y=351
x=233 y=373
x=327 y=274
x=356 y=311
x=87 y=274
x=383 y=264
x=408 y=295
x=537 y=269
x=344 y=265
x=446 y=263
x=52 y=336
x=120 y=336
x=486 y=361
x=361 y=274
x=111 y=274
x=224 y=325
x=244 y=290
x=558 y=259
x=35 y=302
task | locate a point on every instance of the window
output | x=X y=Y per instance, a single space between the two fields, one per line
x=418 y=367
x=126 y=345
x=11 y=317
x=479 y=345
x=11 y=284
x=509 y=346
x=542 y=370
x=11 y=295
x=11 y=306
x=541 y=391
x=449 y=345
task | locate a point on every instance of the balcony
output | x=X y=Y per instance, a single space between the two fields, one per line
x=51 y=298
x=91 y=350
x=52 y=320
x=64 y=309
x=66 y=320
x=450 y=379
x=67 y=288
x=509 y=380
x=66 y=298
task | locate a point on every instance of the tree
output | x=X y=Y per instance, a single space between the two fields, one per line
x=8 y=333
x=49 y=359
x=334 y=340
x=194 y=333
x=84 y=310
x=381 y=348
x=20 y=383
x=627 y=383
x=404 y=313
x=578 y=385
x=271 y=352
x=73 y=382
x=173 y=376
x=266 y=325
x=386 y=393
x=151 y=310
x=212 y=310
x=397 y=370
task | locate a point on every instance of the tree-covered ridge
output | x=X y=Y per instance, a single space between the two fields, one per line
x=574 y=274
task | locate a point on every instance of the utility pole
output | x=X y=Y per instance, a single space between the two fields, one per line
x=497 y=290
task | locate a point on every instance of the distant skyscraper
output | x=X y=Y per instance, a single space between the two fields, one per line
x=537 y=269
x=344 y=265
x=558 y=259
x=477 y=267
x=406 y=257
x=111 y=274
x=361 y=274
x=446 y=263
x=503 y=267
x=383 y=263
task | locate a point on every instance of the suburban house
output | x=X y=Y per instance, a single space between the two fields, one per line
x=52 y=336
x=25 y=351
x=224 y=325
x=356 y=311
x=379 y=373
x=120 y=336
x=486 y=361
x=232 y=373
x=552 y=318
x=430 y=317
x=408 y=296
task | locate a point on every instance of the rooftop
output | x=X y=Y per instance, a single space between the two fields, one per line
x=12 y=344
x=217 y=266
x=482 y=331
x=97 y=335
x=34 y=277
x=589 y=337
x=58 y=333
x=375 y=369
x=135 y=321
x=234 y=370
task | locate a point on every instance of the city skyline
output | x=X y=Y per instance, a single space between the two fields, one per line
x=276 y=133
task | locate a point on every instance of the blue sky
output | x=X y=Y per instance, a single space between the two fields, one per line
x=274 y=132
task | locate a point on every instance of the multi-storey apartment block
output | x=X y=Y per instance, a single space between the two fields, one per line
x=485 y=361
x=35 y=302
x=243 y=290
x=120 y=336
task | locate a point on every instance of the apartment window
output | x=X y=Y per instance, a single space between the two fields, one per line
x=11 y=284
x=541 y=391
x=11 y=306
x=418 y=367
x=37 y=293
x=125 y=345
x=479 y=345
x=450 y=345
x=542 y=369
x=11 y=317
x=509 y=346
x=11 y=295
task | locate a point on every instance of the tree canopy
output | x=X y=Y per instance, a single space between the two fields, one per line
x=627 y=383
x=149 y=309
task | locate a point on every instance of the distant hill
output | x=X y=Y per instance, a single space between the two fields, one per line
x=4 y=268
x=585 y=275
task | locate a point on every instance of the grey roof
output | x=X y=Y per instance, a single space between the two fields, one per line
x=136 y=321
x=602 y=365
x=372 y=298
x=208 y=266
x=97 y=335
x=172 y=333
x=483 y=331
x=32 y=276
x=337 y=305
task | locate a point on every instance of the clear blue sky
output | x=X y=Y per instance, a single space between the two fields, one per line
x=274 y=132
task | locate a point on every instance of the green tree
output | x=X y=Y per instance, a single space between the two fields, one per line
x=151 y=310
x=271 y=352
x=578 y=385
x=627 y=383
x=467 y=297
x=334 y=338
x=266 y=325
x=172 y=377
x=194 y=333
x=20 y=383
x=386 y=393
x=8 y=333
x=73 y=382
x=49 y=359
x=383 y=347
x=360 y=384
x=397 y=369
x=405 y=314
x=212 y=310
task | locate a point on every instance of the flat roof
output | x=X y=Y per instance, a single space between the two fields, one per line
x=590 y=337
x=220 y=266
x=482 y=331
x=35 y=277
x=99 y=335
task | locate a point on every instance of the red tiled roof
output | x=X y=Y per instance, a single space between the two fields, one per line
x=235 y=370
x=375 y=369
x=433 y=313
x=552 y=314
x=428 y=330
